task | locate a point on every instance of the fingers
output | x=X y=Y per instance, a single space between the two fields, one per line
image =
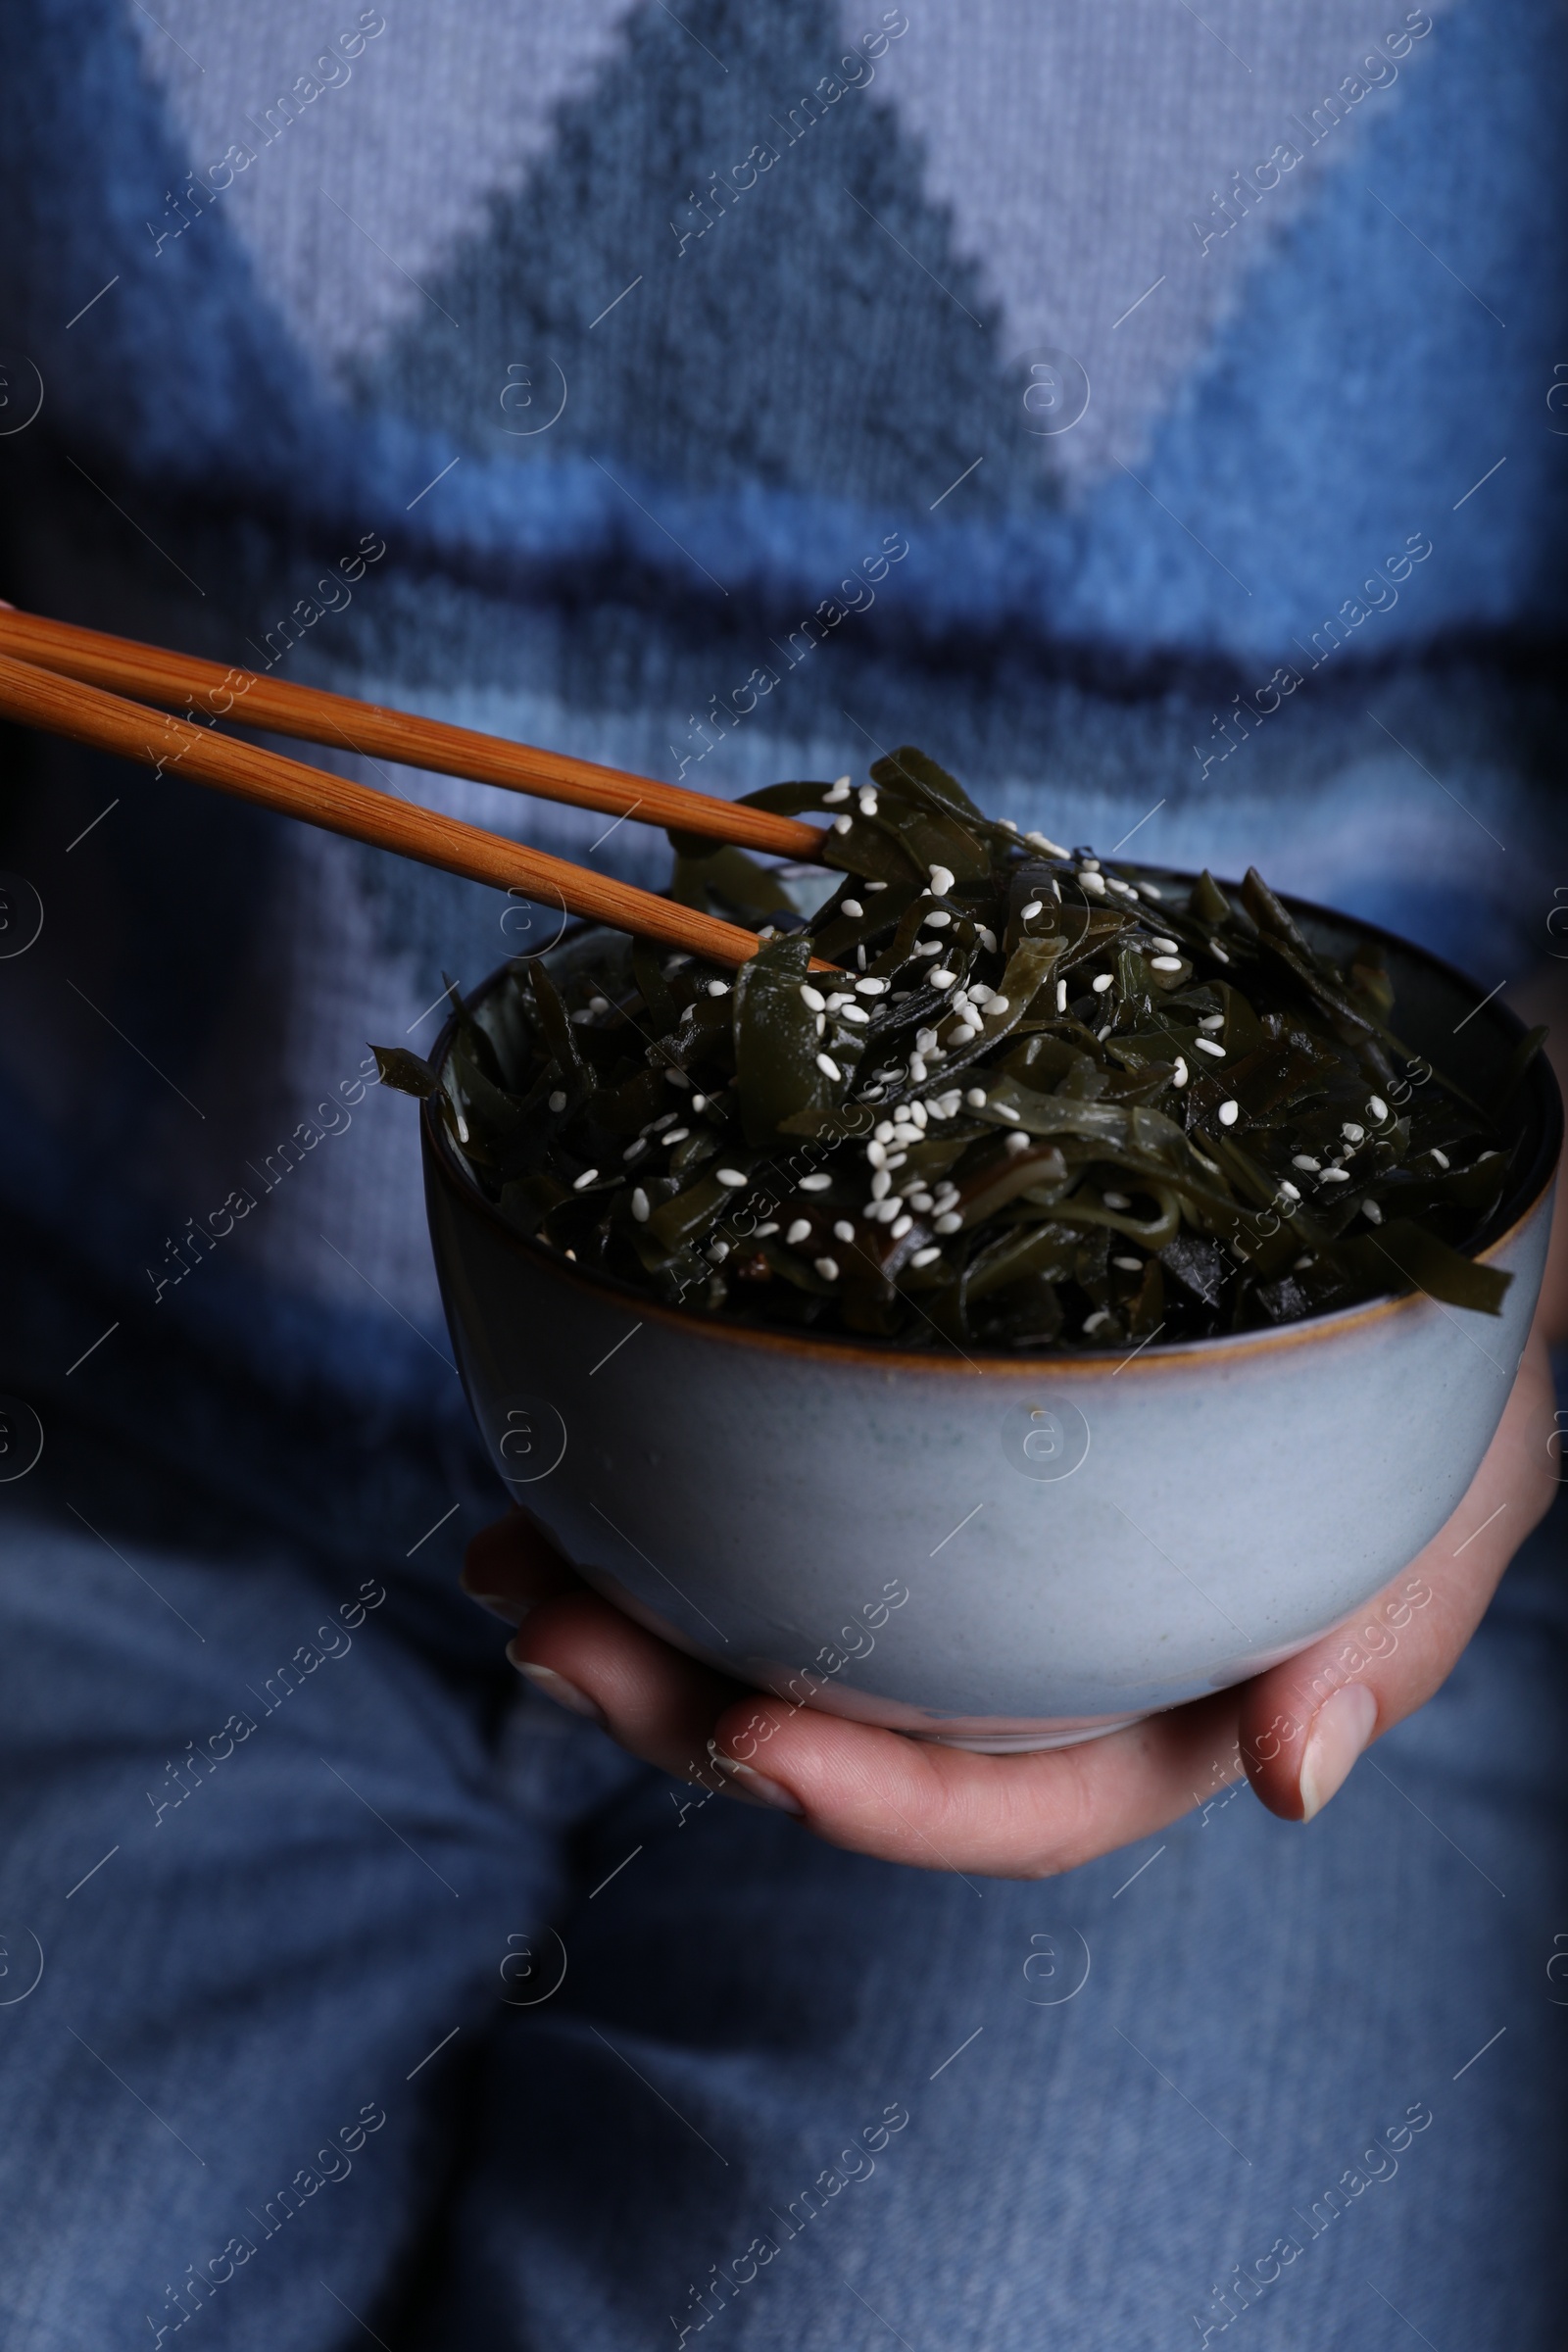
x=655 y=1701
x=1304 y=1724
x=944 y=1808
x=510 y=1567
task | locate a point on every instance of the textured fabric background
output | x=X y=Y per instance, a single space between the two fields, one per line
x=500 y=291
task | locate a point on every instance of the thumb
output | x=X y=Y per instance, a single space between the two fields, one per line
x=1304 y=1724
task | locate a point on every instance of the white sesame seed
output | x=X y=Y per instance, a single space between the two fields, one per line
x=1166 y=947
x=1442 y=1157
x=812 y=997
x=881 y=1185
x=1179 y=1074
x=639 y=1205
x=1101 y=983
x=829 y=1067
x=921 y=1203
x=821 y=1023
x=925 y=1040
x=1206 y=1044
x=557 y=1100
x=947 y=1222
x=1017 y=1140
x=719 y=988
x=1370 y=1209
x=987 y=938
x=1352 y=1133
x=1129 y=1266
x=964 y=1034
x=1092 y=1322
x=635 y=1150
x=1116 y=1199
x=677 y=1135
x=871 y=886
x=1334 y=1176
x=800 y=1231
x=917 y=1069
x=842 y=824
x=928 y=947
x=901 y=1226
x=599 y=1004
x=869 y=804
x=581 y=1183
x=1092 y=883
x=1217 y=951
x=674 y=1077
x=1062 y=995
x=1165 y=963
x=850 y=907
x=828 y=1268
x=1009 y=824
x=1124 y=888
x=928 y=1256
x=876 y=1153
x=882 y=1132
x=718 y=1253
x=996 y=1007
x=936 y=921
x=1303 y=1159
x=857 y=1014
x=870 y=986
x=1039 y=841
x=1229 y=1113
x=975 y=1096
x=844 y=1231
x=1292 y=1192
x=1028 y=913
x=941 y=979
x=817 y=1182
x=763 y=1231
x=699 y=1101
x=860 y=957
x=838 y=999
x=940 y=880
x=1377 y=1108
x=1088 y=866
x=1212 y=1020
x=919 y=1113
x=836 y=792
x=731 y=1176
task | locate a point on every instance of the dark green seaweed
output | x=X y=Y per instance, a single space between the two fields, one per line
x=1046 y=1102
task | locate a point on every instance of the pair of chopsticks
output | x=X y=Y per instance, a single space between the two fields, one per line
x=76 y=682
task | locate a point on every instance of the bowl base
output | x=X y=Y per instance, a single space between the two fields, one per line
x=1021 y=1743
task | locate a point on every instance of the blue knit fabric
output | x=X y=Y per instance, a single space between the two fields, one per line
x=551 y=372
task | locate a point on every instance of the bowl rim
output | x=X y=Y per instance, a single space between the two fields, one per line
x=1524 y=1201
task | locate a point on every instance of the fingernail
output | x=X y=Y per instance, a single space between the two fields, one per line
x=1341 y=1729
x=556 y=1686
x=748 y=1781
x=502 y=1605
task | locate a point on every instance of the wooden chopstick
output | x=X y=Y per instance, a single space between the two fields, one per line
x=243 y=697
x=62 y=706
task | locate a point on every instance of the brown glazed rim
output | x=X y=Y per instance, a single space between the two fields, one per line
x=1524 y=1201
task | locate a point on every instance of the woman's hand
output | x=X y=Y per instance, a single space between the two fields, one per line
x=1296 y=1730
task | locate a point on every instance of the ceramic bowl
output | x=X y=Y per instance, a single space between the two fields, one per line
x=1009 y=1551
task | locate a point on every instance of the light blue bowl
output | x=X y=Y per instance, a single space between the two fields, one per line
x=1009 y=1551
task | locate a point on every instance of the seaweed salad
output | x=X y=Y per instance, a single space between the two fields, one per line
x=1043 y=1100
